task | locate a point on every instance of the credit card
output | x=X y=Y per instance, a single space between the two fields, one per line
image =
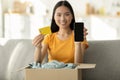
x=45 y=30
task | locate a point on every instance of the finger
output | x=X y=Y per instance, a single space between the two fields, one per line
x=38 y=36
x=39 y=45
x=85 y=33
x=37 y=39
x=85 y=29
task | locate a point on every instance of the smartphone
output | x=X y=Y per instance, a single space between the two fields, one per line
x=79 y=31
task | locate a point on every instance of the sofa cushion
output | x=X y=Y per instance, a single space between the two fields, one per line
x=106 y=55
x=2 y=63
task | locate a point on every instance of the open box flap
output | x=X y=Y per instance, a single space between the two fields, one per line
x=85 y=66
x=22 y=68
x=79 y=66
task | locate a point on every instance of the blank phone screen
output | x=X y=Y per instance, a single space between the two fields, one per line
x=78 y=31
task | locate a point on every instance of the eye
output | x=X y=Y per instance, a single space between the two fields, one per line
x=58 y=15
x=67 y=14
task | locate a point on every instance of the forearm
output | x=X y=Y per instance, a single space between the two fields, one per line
x=37 y=55
x=79 y=52
x=40 y=53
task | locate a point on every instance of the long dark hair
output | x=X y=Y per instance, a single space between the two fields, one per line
x=54 y=27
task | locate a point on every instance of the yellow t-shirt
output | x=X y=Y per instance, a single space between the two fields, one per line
x=61 y=50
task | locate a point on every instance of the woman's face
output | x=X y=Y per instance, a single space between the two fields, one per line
x=63 y=17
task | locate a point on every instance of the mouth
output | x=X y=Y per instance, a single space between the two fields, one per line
x=63 y=23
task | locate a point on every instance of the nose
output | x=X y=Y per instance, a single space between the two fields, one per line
x=62 y=18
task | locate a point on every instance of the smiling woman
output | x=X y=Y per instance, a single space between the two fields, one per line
x=60 y=44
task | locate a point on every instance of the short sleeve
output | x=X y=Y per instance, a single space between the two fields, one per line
x=46 y=39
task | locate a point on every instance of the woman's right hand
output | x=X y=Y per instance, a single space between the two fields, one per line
x=38 y=40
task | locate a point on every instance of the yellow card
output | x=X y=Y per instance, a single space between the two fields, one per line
x=45 y=30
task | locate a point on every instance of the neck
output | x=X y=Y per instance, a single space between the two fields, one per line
x=64 y=31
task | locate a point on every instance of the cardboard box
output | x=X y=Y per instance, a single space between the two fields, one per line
x=57 y=74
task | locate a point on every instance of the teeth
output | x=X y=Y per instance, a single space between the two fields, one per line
x=62 y=23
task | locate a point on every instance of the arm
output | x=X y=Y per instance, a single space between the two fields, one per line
x=40 y=49
x=79 y=52
x=80 y=49
x=40 y=53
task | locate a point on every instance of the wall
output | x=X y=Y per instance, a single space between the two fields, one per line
x=1 y=28
x=109 y=7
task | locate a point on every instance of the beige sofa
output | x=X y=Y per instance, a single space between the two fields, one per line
x=17 y=53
